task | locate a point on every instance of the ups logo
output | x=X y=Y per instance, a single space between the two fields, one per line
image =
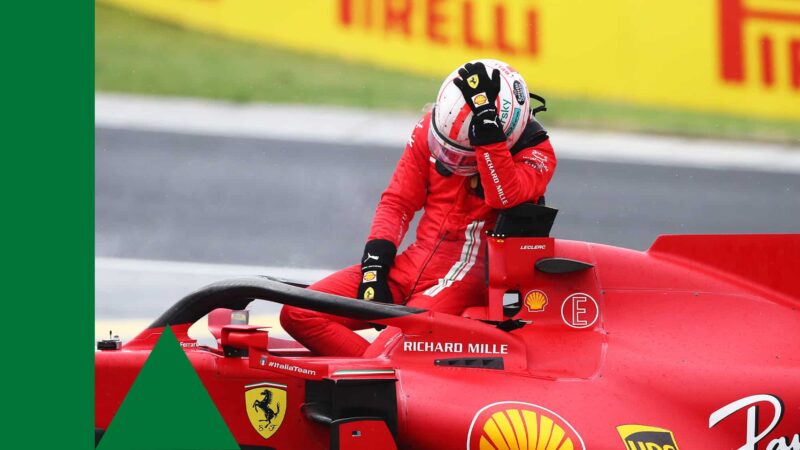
x=641 y=437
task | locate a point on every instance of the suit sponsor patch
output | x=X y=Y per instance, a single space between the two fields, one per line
x=536 y=160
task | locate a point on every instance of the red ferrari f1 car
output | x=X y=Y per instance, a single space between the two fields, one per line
x=693 y=344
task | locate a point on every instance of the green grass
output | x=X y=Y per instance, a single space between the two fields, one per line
x=139 y=55
x=134 y=54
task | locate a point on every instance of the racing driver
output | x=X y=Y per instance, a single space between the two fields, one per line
x=479 y=150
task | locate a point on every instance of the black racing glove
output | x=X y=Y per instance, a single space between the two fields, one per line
x=480 y=93
x=375 y=264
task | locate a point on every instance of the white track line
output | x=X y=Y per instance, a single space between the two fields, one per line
x=289 y=122
x=221 y=270
x=391 y=129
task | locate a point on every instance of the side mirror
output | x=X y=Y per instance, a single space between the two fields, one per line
x=220 y=317
x=236 y=340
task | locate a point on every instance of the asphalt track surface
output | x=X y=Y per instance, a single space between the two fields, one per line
x=266 y=202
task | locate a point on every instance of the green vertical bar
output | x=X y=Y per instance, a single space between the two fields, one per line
x=47 y=224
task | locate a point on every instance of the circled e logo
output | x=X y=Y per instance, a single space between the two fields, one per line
x=580 y=310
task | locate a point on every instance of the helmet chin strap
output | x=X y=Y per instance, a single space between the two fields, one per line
x=442 y=170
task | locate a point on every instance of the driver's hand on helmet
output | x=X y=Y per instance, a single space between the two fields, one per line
x=375 y=264
x=480 y=92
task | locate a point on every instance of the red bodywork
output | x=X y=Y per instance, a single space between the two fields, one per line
x=692 y=344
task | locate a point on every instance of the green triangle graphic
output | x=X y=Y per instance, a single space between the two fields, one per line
x=167 y=407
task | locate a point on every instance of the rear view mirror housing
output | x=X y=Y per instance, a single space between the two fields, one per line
x=236 y=340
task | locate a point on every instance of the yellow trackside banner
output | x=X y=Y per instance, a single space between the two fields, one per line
x=731 y=56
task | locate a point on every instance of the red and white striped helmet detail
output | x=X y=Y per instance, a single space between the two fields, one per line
x=448 y=134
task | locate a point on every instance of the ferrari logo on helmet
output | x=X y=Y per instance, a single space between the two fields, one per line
x=651 y=438
x=518 y=425
x=535 y=301
x=480 y=99
x=266 y=407
x=473 y=81
x=369 y=294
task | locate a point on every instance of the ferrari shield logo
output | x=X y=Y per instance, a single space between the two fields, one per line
x=473 y=81
x=266 y=407
x=369 y=294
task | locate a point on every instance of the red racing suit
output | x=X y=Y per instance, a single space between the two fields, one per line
x=444 y=269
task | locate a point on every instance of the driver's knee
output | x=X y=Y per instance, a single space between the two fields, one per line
x=292 y=318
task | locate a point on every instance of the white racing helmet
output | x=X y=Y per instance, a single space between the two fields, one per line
x=448 y=135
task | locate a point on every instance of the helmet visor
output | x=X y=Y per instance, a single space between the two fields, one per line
x=459 y=160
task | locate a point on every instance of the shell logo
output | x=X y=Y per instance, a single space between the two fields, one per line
x=480 y=99
x=535 y=301
x=369 y=276
x=521 y=426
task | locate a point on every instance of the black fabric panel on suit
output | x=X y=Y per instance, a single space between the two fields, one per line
x=533 y=134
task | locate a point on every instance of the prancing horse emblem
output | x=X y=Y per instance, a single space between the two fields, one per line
x=266 y=407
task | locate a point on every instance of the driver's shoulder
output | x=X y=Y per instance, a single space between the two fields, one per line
x=533 y=135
